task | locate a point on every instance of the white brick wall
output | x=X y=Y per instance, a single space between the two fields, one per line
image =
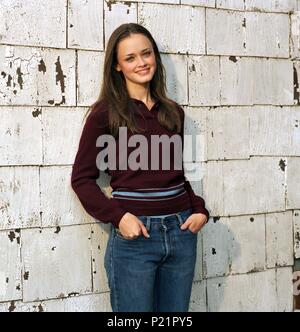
x=240 y=33
x=234 y=67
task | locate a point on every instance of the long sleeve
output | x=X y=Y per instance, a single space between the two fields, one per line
x=198 y=202
x=85 y=173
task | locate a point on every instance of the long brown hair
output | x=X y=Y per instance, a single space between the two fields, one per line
x=114 y=90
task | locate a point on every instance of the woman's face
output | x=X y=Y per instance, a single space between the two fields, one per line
x=135 y=54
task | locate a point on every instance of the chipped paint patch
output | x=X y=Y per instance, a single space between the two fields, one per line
x=296 y=87
x=12 y=306
x=26 y=275
x=215 y=219
x=60 y=77
x=42 y=66
x=11 y=236
x=36 y=112
x=282 y=164
x=109 y=3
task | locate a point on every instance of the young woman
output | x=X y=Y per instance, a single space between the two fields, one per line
x=154 y=214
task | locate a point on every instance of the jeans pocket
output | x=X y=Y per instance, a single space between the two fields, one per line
x=184 y=216
x=120 y=236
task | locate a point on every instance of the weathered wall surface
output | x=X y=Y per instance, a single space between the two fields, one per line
x=234 y=67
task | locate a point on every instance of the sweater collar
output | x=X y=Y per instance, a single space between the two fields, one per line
x=142 y=107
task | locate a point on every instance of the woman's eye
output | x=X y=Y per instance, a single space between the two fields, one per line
x=147 y=53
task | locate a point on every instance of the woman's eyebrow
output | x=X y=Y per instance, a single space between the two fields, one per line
x=141 y=51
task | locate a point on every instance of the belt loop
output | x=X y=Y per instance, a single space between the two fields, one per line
x=148 y=223
x=179 y=218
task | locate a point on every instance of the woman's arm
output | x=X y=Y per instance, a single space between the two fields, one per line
x=198 y=202
x=85 y=172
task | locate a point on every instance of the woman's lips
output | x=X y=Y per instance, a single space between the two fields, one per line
x=142 y=72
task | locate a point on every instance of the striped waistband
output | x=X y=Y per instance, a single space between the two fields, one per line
x=149 y=194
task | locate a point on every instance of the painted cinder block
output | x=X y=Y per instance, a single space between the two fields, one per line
x=213 y=187
x=279 y=239
x=225 y=32
x=20 y=136
x=56 y=262
x=195 y=134
x=194 y=173
x=19 y=197
x=249 y=292
x=293 y=183
x=85 y=24
x=204 y=80
x=198 y=274
x=83 y=303
x=62 y=128
x=274 y=131
x=247 y=33
x=247 y=81
x=216 y=244
x=204 y=3
x=247 y=249
x=283 y=6
x=231 y=186
x=10 y=266
x=59 y=203
x=19 y=306
x=295 y=35
x=176 y=77
x=237 y=80
x=284 y=289
x=171 y=35
x=231 y=4
x=198 y=297
x=88 y=85
x=256 y=185
x=234 y=245
x=117 y=13
x=228 y=133
x=267 y=34
x=41 y=23
x=37 y=76
x=100 y=235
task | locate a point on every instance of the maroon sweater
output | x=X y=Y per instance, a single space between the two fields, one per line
x=140 y=192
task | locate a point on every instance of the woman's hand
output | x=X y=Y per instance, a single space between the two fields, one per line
x=131 y=227
x=194 y=222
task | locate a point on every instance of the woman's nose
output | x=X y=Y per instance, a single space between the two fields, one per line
x=140 y=61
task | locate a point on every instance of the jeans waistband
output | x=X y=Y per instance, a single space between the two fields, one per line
x=161 y=218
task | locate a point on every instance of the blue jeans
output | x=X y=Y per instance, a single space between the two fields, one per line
x=152 y=274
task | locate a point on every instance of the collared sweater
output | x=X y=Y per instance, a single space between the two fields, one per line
x=140 y=192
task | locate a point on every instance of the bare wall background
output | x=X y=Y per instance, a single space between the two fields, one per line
x=234 y=67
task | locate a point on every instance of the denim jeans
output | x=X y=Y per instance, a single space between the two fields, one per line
x=152 y=274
